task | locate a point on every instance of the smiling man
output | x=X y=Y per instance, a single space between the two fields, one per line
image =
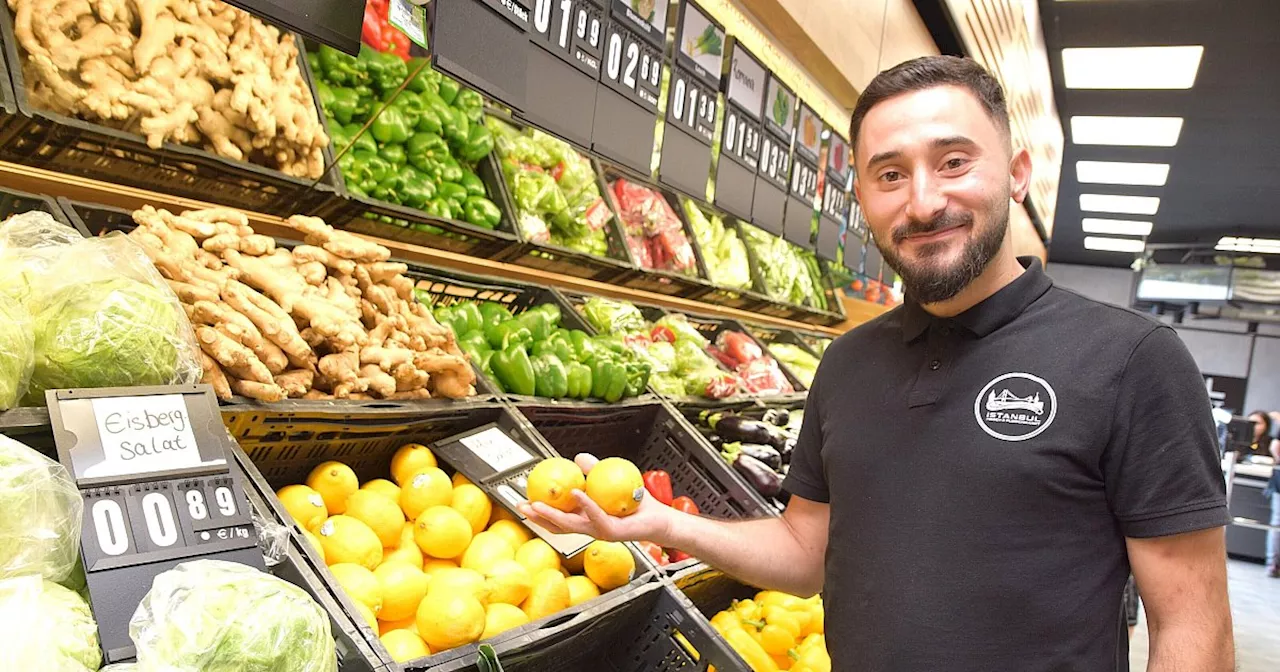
x=980 y=470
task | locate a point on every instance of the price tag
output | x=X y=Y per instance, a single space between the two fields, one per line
x=780 y=110
x=141 y=435
x=742 y=138
x=700 y=44
x=497 y=449
x=515 y=11
x=837 y=160
x=692 y=105
x=574 y=30
x=747 y=81
x=835 y=200
x=632 y=66
x=804 y=180
x=741 y=134
x=775 y=160
x=410 y=19
x=828 y=245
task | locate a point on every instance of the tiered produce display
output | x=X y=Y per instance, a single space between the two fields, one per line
x=758 y=449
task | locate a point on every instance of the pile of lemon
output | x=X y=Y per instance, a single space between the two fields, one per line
x=432 y=563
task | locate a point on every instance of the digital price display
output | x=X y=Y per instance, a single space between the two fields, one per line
x=484 y=43
x=626 y=107
x=565 y=52
x=692 y=101
x=152 y=465
x=741 y=136
x=773 y=172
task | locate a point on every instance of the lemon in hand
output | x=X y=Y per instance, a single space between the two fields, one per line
x=616 y=486
x=553 y=481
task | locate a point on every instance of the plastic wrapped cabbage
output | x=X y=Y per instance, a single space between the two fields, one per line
x=216 y=616
x=41 y=513
x=17 y=351
x=31 y=244
x=46 y=627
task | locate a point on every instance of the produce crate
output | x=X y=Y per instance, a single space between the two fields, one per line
x=64 y=144
x=448 y=289
x=10 y=120
x=637 y=632
x=712 y=327
x=280 y=447
x=648 y=279
x=380 y=219
x=653 y=436
x=755 y=410
x=767 y=336
x=778 y=308
x=31 y=427
x=565 y=261
x=731 y=297
x=13 y=202
x=711 y=591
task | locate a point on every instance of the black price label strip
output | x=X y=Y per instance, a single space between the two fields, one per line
x=632 y=66
x=835 y=201
x=775 y=160
x=804 y=181
x=692 y=105
x=574 y=30
x=742 y=137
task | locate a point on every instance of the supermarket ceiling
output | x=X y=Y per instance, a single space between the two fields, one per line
x=1224 y=170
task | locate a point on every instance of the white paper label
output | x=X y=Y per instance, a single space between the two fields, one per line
x=409 y=19
x=497 y=449
x=144 y=434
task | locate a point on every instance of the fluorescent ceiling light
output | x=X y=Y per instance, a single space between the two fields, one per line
x=1131 y=67
x=1130 y=131
x=1125 y=205
x=1261 y=245
x=1115 y=227
x=1113 y=244
x=1120 y=172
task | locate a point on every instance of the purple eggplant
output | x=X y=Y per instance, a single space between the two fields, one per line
x=737 y=428
x=766 y=481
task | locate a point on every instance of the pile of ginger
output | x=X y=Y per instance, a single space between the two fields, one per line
x=331 y=318
x=194 y=72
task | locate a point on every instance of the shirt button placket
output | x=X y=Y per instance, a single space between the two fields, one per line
x=929 y=382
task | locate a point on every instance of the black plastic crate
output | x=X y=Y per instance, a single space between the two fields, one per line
x=279 y=447
x=45 y=139
x=778 y=308
x=640 y=632
x=648 y=279
x=755 y=410
x=10 y=120
x=13 y=202
x=710 y=590
x=730 y=297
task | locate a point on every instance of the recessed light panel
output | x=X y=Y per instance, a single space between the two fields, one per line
x=1126 y=131
x=1120 y=172
x=1115 y=227
x=1131 y=67
x=1124 y=205
x=1113 y=244
x=1259 y=245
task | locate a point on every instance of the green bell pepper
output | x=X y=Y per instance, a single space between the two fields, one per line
x=427 y=79
x=451 y=170
x=449 y=89
x=426 y=151
x=476 y=353
x=558 y=346
x=637 y=378
x=481 y=212
x=362 y=141
x=324 y=96
x=537 y=323
x=415 y=188
x=579 y=380
x=552 y=311
x=429 y=121
x=475 y=337
x=608 y=380
x=456 y=129
x=512 y=368
x=394 y=154
x=473 y=183
x=366 y=170
x=506 y=334
x=386 y=70
x=391 y=126
x=412 y=106
x=343 y=105
x=338 y=68
x=492 y=312
x=471 y=103
x=550 y=377
x=339 y=135
x=448 y=316
x=449 y=191
x=477 y=145
x=438 y=207
x=365 y=101
x=470 y=318
x=583 y=345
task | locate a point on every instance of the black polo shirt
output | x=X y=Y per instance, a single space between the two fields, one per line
x=984 y=471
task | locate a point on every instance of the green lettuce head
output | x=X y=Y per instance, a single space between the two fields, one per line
x=41 y=512
x=217 y=616
x=17 y=351
x=46 y=627
x=106 y=333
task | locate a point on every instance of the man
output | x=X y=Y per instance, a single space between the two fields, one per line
x=979 y=470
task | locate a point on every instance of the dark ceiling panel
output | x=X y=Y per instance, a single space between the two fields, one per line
x=1225 y=174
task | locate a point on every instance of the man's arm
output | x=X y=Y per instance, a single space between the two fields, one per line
x=778 y=553
x=1183 y=583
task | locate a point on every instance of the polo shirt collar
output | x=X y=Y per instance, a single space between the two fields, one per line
x=994 y=312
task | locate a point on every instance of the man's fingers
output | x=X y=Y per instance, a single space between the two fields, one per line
x=550 y=518
x=585 y=462
x=599 y=519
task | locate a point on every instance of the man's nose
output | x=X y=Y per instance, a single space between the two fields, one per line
x=927 y=199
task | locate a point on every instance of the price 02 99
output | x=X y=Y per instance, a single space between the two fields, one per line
x=804 y=181
x=692 y=106
x=741 y=138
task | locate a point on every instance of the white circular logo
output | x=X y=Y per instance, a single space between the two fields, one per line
x=1015 y=407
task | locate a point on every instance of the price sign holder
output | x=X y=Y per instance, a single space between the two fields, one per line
x=336 y=24
x=566 y=47
x=834 y=213
x=803 y=185
x=158 y=488
x=499 y=464
x=872 y=263
x=626 y=108
x=697 y=64
x=855 y=249
x=768 y=206
x=485 y=44
x=742 y=133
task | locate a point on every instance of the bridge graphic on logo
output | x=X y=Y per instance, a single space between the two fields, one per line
x=1008 y=401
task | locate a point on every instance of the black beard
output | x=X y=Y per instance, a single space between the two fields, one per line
x=927 y=283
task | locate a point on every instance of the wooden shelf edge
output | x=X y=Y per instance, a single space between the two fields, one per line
x=37 y=180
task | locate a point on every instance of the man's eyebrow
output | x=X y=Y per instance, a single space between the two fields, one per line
x=953 y=141
x=884 y=156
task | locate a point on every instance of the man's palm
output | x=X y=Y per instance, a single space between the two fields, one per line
x=649 y=523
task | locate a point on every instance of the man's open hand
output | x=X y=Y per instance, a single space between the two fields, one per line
x=650 y=522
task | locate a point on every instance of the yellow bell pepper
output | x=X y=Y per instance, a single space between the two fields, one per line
x=751 y=651
x=813 y=660
x=726 y=620
x=784 y=662
x=747 y=610
x=773 y=598
x=780 y=616
x=777 y=640
x=817 y=619
x=811 y=641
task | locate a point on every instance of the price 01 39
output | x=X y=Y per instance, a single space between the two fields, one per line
x=691 y=105
x=740 y=137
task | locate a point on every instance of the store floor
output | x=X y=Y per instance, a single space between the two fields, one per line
x=1255 y=607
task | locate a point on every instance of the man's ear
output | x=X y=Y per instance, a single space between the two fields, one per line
x=1020 y=175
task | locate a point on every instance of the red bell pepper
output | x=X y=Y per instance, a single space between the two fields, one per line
x=684 y=504
x=658 y=483
x=655 y=552
x=679 y=556
x=739 y=346
x=377 y=31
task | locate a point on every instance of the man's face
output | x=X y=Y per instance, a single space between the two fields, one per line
x=934 y=182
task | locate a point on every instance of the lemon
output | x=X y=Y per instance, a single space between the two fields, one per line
x=335 y=482
x=537 y=555
x=459 y=479
x=553 y=481
x=315 y=543
x=382 y=515
x=366 y=616
x=608 y=564
x=458 y=580
x=431 y=566
x=616 y=485
x=410 y=624
x=508 y=581
x=403 y=587
x=581 y=589
x=406 y=554
x=305 y=505
x=346 y=539
x=409 y=460
x=404 y=646
x=449 y=619
x=359 y=584
x=442 y=532
x=425 y=489
x=500 y=617
x=500 y=512
x=548 y=594
x=515 y=533
x=487 y=548
x=474 y=505
x=383 y=487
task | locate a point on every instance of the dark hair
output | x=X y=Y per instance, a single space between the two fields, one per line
x=927 y=72
x=1266 y=421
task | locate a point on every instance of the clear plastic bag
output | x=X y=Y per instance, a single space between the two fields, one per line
x=46 y=627
x=273 y=540
x=17 y=351
x=42 y=511
x=217 y=616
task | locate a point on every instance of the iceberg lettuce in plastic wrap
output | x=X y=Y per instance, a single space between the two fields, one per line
x=40 y=514
x=46 y=628
x=216 y=616
x=17 y=351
